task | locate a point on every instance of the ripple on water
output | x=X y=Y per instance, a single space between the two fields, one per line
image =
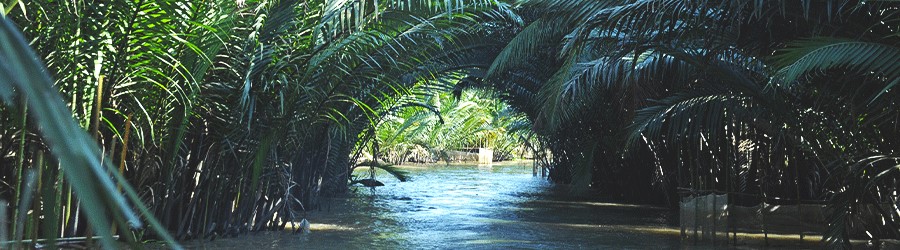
x=448 y=207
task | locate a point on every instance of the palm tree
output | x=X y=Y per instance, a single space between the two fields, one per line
x=27 y=80
x=444 y=122
x=189 y=100
x=194 y=99
x=697 y=86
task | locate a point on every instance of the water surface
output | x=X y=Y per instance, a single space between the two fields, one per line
x=470 y=207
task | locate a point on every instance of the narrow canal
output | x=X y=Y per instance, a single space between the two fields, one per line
x=470 y=207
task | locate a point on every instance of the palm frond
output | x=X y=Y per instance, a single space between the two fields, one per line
x=686 y=115
x=857 y=57
x=862 y=178
x=529 y=41
x=24 y=74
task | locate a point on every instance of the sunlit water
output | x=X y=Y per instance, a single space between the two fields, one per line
x=470 y=207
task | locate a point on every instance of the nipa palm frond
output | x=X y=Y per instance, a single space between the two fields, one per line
x=853 y=56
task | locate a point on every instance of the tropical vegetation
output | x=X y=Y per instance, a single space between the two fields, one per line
x=788 y=100
x=446 y=124
x=234 y=116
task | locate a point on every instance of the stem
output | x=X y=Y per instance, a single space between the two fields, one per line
x=36 y=205
x=124 y=148
x=20 y=163
x=95 y=116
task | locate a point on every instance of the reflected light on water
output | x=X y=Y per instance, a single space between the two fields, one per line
x=597 y=204
x=480 y=207
x=314 y=227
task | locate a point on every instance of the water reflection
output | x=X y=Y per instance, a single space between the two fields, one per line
x=471 y=207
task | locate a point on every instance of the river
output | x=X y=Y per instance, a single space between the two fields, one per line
x=470 y=207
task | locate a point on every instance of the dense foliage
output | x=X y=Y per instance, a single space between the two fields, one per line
x=445 y=125
x=783 y=100
x=235 y=116
x=228 y=116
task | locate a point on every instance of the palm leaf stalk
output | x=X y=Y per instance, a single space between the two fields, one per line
x=24 y=74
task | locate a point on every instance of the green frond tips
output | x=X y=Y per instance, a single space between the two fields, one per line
x=23 y=73
x=820 y=54
x=527 y=42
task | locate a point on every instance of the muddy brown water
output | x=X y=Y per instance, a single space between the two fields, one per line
x=470 y=207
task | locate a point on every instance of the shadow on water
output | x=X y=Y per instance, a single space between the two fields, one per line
x=470 y=207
